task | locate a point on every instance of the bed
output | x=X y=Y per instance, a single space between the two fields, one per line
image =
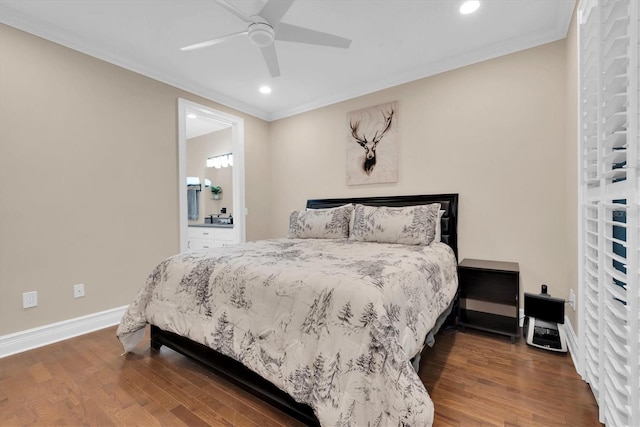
x=323 y=328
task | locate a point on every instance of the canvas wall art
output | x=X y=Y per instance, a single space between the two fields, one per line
x=372 y=145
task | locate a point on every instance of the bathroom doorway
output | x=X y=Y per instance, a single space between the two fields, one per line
x=194 y=121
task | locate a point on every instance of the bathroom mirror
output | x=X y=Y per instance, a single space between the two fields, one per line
x=209 y=145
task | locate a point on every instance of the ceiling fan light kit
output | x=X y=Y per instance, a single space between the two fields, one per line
x=261 y=34
x=265 y=27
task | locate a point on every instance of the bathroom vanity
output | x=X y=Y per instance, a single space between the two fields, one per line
x=207 y=236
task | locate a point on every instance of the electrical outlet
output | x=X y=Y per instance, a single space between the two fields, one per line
x=572 y=299
x=78 y=290
x=29 y=299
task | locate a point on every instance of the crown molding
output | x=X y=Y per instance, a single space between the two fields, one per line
x=15 y=19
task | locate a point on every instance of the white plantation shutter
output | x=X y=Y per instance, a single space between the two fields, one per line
x=609 y=213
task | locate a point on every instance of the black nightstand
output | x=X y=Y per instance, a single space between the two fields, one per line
x=489 y=292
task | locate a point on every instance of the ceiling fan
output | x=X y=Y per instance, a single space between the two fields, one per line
x=265 y=27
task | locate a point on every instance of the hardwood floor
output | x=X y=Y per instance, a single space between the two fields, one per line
x=473 y=379
x=477 y=379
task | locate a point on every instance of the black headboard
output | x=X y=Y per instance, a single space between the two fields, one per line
x=448 y=203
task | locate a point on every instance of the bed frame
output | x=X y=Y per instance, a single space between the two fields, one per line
x=236 y=373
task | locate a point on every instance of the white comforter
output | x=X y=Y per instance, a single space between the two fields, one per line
x=333 y=323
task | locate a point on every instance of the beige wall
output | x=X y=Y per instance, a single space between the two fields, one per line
x=571 y=168
x=493 y=132
x=88 y=180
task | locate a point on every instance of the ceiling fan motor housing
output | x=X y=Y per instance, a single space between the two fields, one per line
x=261 y=34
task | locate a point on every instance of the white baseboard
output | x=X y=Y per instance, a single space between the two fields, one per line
x=572 y=343
x=55 y=332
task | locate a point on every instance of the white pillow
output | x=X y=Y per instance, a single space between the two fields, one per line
x=408 y=225
x=332 y=223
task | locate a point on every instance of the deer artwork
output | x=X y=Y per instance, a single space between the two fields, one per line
x=370 y=146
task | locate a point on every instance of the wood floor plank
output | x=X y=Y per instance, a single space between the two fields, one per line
x=40 y=372
x=145 y=384
x=474 y=379
x=263 y=416
x=88 y=412
x=188 y=417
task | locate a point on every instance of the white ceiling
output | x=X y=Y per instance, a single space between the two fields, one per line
x=393 y=42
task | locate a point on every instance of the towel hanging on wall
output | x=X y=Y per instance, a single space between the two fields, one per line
x=193 y=204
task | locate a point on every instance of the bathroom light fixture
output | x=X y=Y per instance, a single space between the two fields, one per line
x=265 y=90
x=469 y=6
x=221 y=161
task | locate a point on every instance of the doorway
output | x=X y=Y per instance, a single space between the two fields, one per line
x=224 y=120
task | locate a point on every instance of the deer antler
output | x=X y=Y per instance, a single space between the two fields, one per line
x=387 y=120
x=376 y=138
x=354 y=133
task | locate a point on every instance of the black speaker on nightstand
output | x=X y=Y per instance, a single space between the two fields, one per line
x=544 y=321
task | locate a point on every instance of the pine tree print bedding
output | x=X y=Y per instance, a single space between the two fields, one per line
x=333 y=323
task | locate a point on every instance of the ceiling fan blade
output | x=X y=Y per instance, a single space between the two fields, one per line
x=271 y=58
x=240 y=14
x=214 y=41
x=274 y=10
x=293 y=33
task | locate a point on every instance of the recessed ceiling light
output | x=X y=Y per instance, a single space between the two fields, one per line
x=469 y=6
x=192 y=116
x=265 y=89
